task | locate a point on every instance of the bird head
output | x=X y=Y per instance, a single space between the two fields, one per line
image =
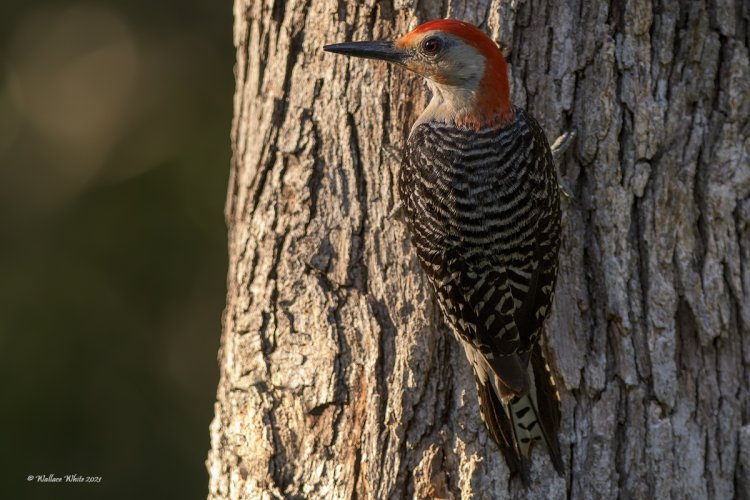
x=463 y=66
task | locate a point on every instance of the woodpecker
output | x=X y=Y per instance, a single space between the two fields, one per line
x=480 y=197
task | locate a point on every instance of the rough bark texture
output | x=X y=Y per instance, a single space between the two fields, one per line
x=338 y=376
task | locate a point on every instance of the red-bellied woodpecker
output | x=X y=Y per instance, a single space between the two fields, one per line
x=480 y=195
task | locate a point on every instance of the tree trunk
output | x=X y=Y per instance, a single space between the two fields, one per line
x=339 y=376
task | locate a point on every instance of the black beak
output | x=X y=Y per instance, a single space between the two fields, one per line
x=384 y=51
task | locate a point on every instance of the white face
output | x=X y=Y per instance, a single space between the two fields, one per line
x=444 y=59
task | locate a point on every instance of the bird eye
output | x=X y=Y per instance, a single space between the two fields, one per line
x=431 y=45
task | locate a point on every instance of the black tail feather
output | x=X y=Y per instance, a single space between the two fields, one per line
x=502 y=429
x=548 y=405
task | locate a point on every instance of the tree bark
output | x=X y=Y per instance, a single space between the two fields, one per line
x=338 y=375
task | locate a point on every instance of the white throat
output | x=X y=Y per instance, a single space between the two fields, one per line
x=448 y=102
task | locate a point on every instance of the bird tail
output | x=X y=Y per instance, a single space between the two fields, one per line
x=516 y=423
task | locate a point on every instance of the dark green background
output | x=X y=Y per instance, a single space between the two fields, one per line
x=114 y=155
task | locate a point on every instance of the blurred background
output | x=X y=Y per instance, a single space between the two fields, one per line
x=114 y=155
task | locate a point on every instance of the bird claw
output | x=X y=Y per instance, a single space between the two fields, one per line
x=398 y=212
x=559 y=147
x=565 y=191
x=562 y=143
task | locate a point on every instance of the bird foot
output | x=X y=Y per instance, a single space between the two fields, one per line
x=562 y=143
x=559 y=147
x=398 y=212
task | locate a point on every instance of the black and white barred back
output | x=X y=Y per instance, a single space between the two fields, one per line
x=483 y=210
